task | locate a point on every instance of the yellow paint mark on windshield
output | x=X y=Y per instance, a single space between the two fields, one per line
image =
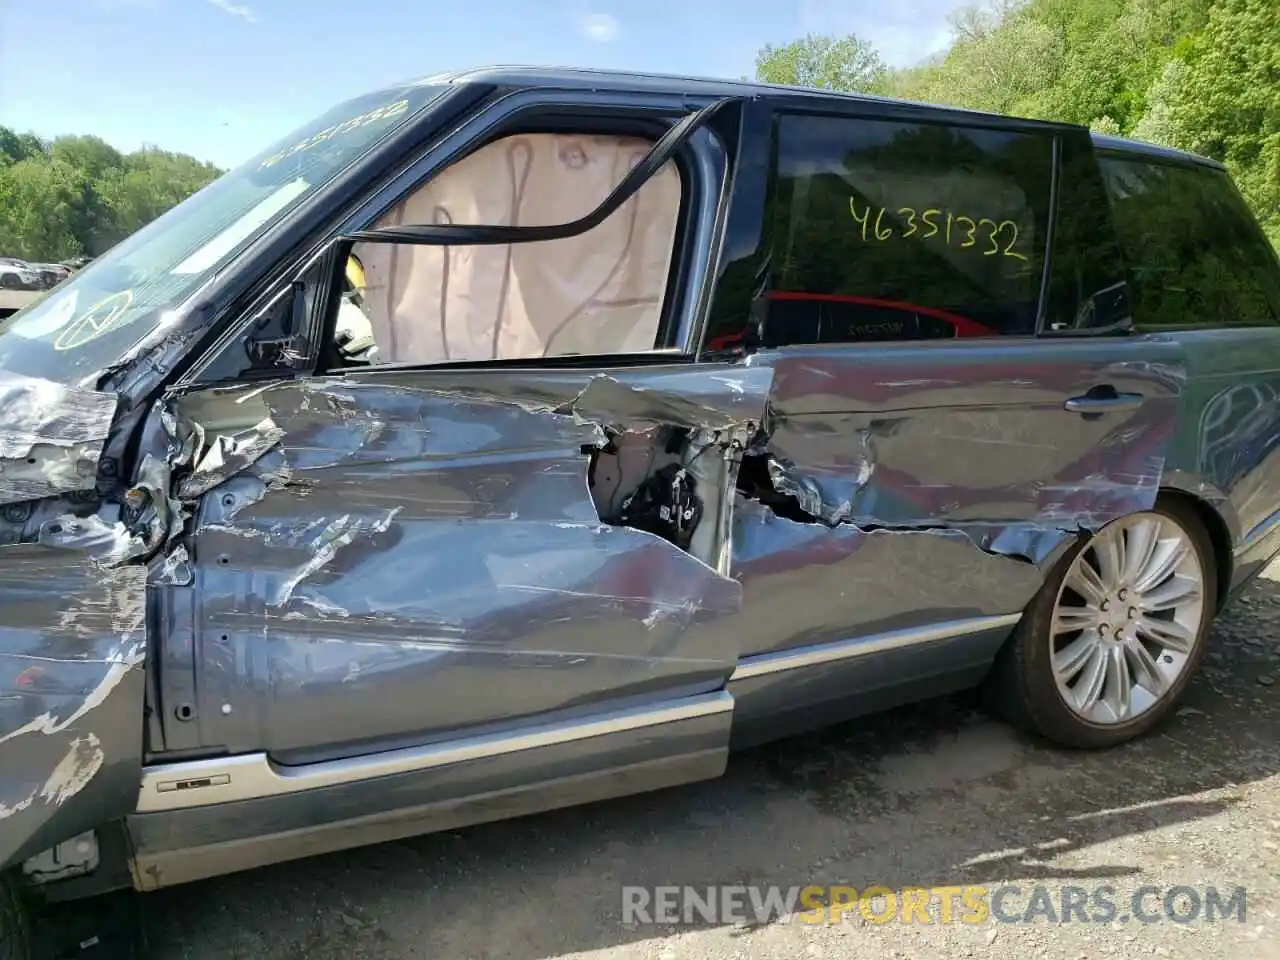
x=100 y=319
x=373 y=116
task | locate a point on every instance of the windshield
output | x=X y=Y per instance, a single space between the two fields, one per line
x=90 y=320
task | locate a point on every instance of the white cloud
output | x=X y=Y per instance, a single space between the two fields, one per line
x=905 y=31
x=597 y=27
x=236 y=10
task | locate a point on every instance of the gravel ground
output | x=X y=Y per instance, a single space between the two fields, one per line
x=936 y=794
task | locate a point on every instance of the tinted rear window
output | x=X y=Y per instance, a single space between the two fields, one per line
x=884 y=230
x=1195 y=254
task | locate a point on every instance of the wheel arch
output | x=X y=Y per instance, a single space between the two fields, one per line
x=1215 y=525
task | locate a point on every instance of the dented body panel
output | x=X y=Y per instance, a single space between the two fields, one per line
x=417 y=554
x=72 y=638
x=72 y=654
x=921 y=434
x=964 y=456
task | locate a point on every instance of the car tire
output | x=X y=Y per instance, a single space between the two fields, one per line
x=15 y=931
x=1023 y=686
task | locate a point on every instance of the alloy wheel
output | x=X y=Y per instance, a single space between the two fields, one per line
x=1127 y=618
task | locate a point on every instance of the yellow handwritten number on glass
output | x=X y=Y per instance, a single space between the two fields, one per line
x=887 y=232
x=995 y=243
x=1008 y=250
x=862 y=220
x=972 y=228
x=925 y=217
x=911 y=220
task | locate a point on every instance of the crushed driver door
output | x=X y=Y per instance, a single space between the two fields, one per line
x=494 y=574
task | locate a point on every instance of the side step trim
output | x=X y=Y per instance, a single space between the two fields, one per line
x=198 y=783
x=154 y=869
x=812 y=656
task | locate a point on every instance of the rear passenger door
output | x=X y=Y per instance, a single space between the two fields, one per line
x=942 y=303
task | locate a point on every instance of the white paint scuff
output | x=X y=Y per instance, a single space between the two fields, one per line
x=119 y=662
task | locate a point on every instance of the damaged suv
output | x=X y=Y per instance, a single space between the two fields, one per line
x=515 y=439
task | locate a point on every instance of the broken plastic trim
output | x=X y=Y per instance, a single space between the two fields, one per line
x=491 y=234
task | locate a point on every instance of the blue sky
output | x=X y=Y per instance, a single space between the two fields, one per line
x=221 y=79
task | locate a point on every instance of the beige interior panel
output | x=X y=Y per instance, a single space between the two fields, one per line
x=600 y=292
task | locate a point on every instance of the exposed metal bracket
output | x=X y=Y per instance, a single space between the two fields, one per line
x=71 y=858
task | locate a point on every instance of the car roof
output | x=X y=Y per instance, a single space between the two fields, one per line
x=601 y=79
x=1110 y=144
x=589 y=78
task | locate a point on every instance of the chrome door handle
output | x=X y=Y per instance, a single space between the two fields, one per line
x=1100 y=402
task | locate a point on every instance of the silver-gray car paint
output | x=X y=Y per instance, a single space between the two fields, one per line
x=76 y=587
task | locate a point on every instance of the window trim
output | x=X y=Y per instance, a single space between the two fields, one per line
x=1050 y=235
x=1083 y=143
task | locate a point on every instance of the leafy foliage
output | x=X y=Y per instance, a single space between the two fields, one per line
x=826 y=62
x=1202 y=75
x=79 y=195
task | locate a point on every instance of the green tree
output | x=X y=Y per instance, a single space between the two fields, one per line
x=846 y=63
x=91 y=155
x=1227 y=104
x=998 y=68
x=41 y=210
x=78 y=194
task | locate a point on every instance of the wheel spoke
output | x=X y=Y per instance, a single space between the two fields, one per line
x=1168 y=633
x=1119 y=682
x=1169 y=595
x=1109 y=549
x=1164 y=559
x=1146 y=672
x=1071 y=659
x=1089 y=689
x=1074 y=619
x=1140 y=542
x=1085 y=581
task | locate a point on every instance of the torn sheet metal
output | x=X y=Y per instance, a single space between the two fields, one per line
x=418 y=550
x=716 y=399
x=683 y=396
x=807 y=583
x=228 y=455
x=956 y=435
x=730 y=400
x=102 y=537
x=51 y=438
x=72 y=653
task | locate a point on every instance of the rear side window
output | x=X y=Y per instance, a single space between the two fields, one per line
x=884 y=230
x=1195 y=254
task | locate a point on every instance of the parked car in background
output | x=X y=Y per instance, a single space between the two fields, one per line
x=520 y=438
x=18 y=275
x=23 y=283
x=51 y=273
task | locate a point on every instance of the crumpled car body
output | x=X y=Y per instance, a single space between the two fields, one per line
x=261 y=599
